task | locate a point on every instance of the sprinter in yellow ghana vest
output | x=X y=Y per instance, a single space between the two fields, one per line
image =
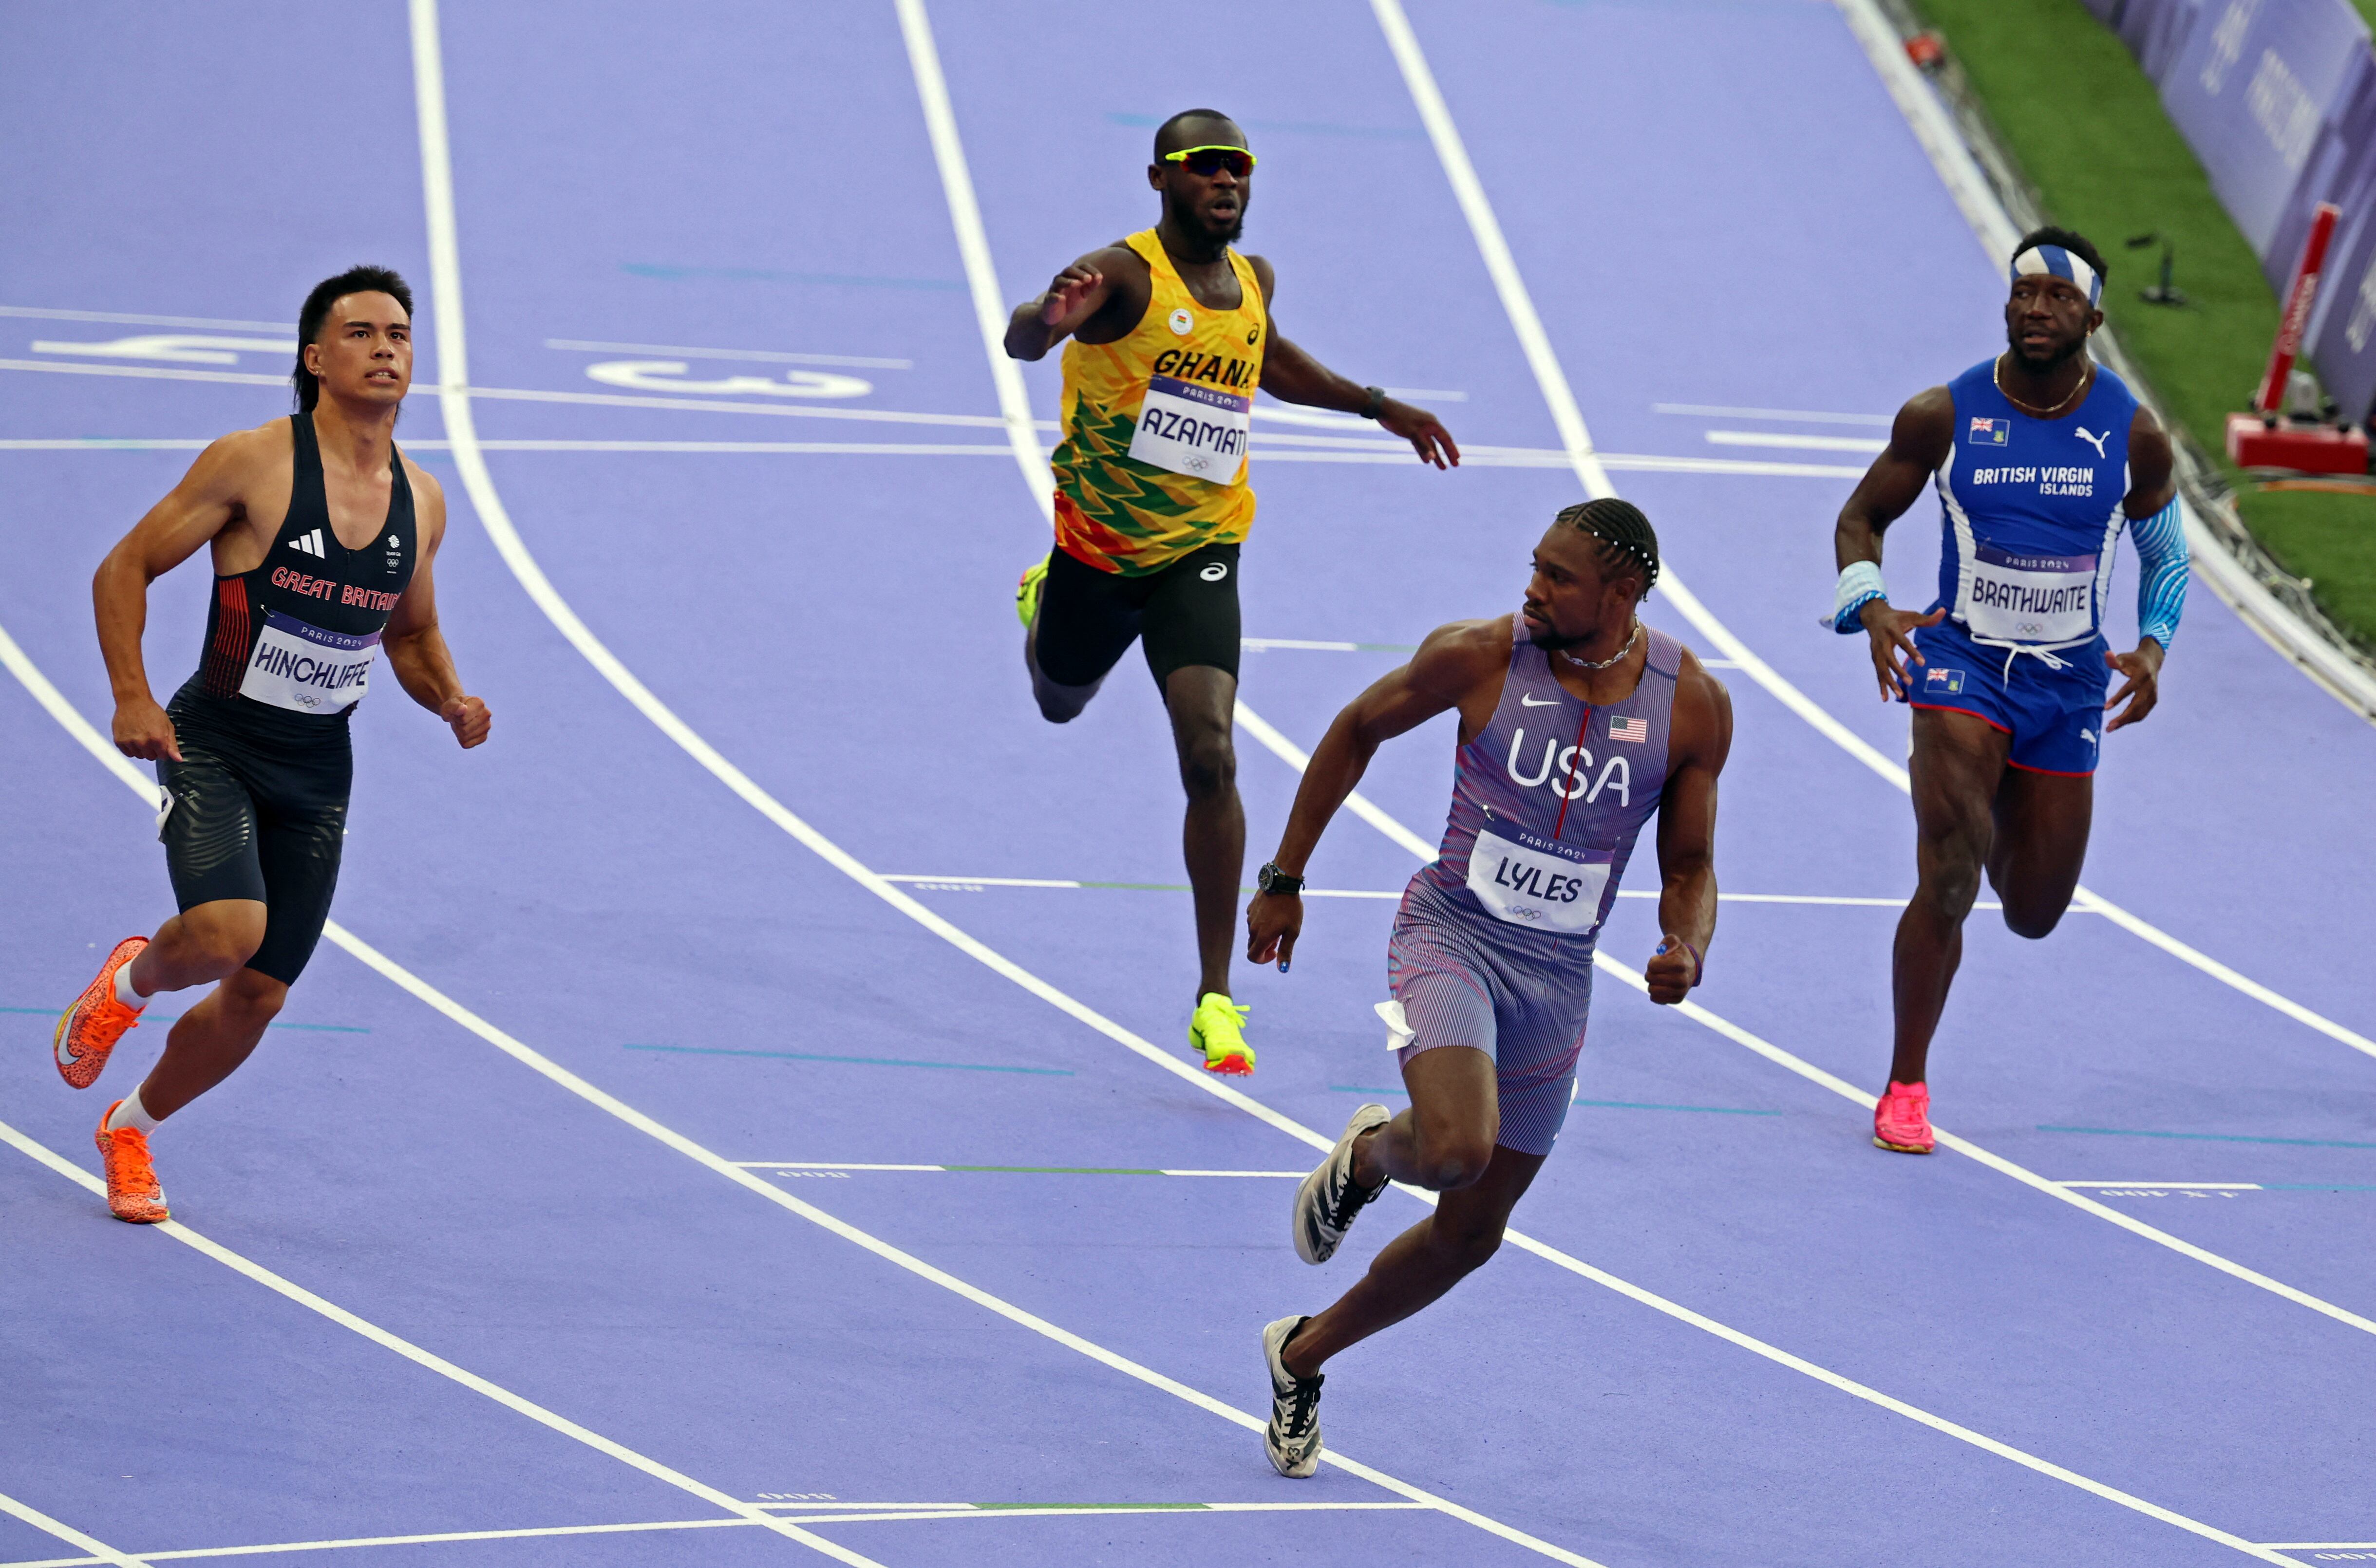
x=1170 y=334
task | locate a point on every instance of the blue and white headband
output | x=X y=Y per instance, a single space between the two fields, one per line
x=2053 y=261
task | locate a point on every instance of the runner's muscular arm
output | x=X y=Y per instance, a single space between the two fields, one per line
x=416 y=648
x=1102 y=295
x=1460 y=665
x=210 y=498
x=1292 y=375
x=1700 y=735
x=1919 y=442
x=2152 y=486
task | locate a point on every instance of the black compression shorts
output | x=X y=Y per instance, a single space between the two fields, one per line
x=1187 y=613
x=249 y=817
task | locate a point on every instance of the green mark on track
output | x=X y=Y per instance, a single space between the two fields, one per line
x=2213 y=1137
x=863 y=1060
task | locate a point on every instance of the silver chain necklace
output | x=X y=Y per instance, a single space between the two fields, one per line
x=1612 y=658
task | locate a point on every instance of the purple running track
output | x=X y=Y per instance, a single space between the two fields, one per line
x=1714 y=204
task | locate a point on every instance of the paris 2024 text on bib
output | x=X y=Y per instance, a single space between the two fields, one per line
x=1535 y=883
x=1189 y=429
x=2032 y=598
x=305 y=668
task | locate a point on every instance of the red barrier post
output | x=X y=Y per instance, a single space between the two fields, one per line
x=2298 y=301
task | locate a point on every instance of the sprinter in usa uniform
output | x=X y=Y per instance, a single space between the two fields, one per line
x=2041 y=458
x=1579 y=725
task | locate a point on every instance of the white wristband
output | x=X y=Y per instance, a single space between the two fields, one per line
x=1859 y=583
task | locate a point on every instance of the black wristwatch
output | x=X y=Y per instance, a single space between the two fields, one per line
x=1270 y=879
x=1377 y=402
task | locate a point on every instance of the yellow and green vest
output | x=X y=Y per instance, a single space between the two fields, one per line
x=1132 y=500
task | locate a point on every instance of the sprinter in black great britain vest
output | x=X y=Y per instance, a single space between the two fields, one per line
x=1579 y=725
x=323 y=536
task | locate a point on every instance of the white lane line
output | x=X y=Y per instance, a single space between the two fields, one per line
x=1805 y=416
x=275 y=1548
x=135 y=320
x=528 y=394
x=100 y=1551
x=764 y=356
x=983 y=281
x=1805 y=443
x=1818 y=899
x=1591 y=472
x=55 y=703
x=2174 y=1186
x=849 y=448
x=43 y=1153
x=999 y=1170
x=853 y=1514
x=1264 y=644
x=1512 y=457
x=116 y=444
x=146 y=372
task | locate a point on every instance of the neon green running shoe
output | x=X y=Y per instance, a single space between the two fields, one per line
x=1218 y=1029
x=1027 y=591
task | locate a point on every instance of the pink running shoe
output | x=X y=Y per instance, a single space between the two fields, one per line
x=1901 y=1120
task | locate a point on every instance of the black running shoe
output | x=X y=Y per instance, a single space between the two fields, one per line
x=1329 y=1198
x=1292 y=1439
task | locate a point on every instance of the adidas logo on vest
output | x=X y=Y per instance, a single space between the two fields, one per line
x=310 y=544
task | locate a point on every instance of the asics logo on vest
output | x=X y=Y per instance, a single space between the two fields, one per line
x=1569 y=783
x=1189 y=365
x=2095 y=441
x=310 y=544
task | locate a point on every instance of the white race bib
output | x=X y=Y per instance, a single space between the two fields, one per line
x=305 y=668
x=1537 y=883
x=2031 y=599
x=1194 y=430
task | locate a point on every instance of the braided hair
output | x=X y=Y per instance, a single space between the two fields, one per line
x=1628 y=542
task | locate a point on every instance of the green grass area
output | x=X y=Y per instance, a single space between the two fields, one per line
x=2368 y=12
x=2090 y=132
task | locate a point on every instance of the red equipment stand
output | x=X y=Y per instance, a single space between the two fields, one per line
x=2266 y=438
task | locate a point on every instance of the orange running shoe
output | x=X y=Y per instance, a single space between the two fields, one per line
x=97 y=1020
x=133 y=1194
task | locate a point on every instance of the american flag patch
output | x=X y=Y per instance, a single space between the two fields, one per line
x=1634 y=729
x=1988 y=433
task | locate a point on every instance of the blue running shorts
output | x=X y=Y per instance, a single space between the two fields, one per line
x=2055 y=716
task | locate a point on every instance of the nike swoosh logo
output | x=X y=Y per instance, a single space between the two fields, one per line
x=1525 y=701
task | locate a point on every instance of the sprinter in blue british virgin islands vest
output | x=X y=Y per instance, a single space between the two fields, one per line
x=2041 y=459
